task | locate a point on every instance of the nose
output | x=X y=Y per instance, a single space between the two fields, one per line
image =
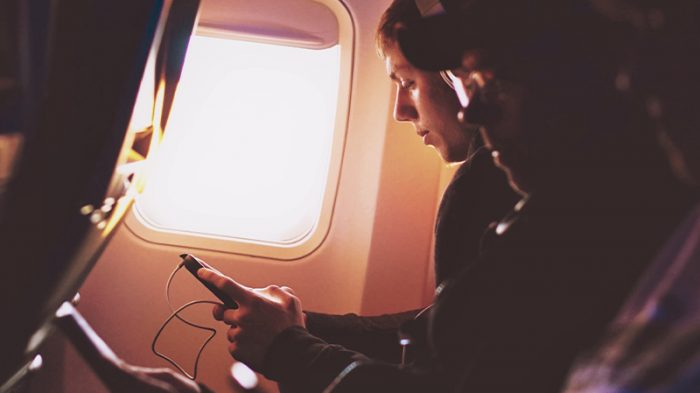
x=404 y=109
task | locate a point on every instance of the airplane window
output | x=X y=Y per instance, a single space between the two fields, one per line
x=247 y=148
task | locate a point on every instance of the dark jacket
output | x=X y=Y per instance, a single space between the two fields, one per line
x=654 y=343
x=477 y=195
x=552 y=275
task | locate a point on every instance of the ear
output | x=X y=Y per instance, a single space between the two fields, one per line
x=472 y=60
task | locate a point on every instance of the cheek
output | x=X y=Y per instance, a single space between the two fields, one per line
x=446 y=108
x=454 y=133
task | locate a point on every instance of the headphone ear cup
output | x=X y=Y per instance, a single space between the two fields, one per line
x=481 y=112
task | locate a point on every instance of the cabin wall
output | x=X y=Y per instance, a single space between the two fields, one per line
x=376 y=258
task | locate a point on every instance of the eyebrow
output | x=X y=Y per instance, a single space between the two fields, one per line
x=393 y=75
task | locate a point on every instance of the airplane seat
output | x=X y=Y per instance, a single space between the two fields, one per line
x=23 y=39
x=69 y=76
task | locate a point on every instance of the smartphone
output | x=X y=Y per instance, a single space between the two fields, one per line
x=192 y=264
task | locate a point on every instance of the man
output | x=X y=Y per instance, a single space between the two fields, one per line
x=652 y=345
x=477 y=195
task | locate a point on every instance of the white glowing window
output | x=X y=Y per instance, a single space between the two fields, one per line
x=247 y=148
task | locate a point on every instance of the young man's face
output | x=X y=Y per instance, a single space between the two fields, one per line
x=424 y=99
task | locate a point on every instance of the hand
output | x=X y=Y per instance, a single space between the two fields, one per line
x=262 y=314
x=152 y=380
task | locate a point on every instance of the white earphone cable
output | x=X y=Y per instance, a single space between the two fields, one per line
x=175 y=314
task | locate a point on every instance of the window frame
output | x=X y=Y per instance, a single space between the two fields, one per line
x=305 y=245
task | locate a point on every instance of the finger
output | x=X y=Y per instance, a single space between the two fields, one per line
x=233 y=333
x=218 y=312
x=236 y=291
x=208 y=266
x=233 y=350
x=288 y=290
x=231 y=317
x=236 y=352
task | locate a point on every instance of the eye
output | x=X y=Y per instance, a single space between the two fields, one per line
x=407 y=84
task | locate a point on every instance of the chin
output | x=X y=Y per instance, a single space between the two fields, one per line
x=452 y=157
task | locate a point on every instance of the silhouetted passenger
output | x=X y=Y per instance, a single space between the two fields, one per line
x=654 y=343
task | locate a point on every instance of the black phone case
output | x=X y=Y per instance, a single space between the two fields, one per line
x=192 y=264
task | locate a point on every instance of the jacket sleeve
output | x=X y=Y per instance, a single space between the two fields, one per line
x=375 y=337
x=302 y=362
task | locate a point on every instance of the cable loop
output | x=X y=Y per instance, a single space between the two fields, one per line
x=175 y=314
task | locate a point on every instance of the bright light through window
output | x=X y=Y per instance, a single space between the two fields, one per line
x=247 y=147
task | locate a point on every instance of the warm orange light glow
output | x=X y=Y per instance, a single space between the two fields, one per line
x=121 y=207
x=123 y=204
x=137 y=170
